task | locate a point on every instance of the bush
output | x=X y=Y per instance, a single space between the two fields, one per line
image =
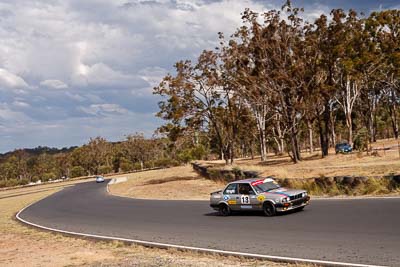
x=137 y=166
x=215 y=174
x=77 y=171
x=126 y=166
x=12 y=182
x=48 y=176
x=198 y=152
x=185 y=156
x=361 y=140
x=24 y=182
x=148 y=165
x=189 y=154
x=238 y=173
x=105 y=169
x=166 y=162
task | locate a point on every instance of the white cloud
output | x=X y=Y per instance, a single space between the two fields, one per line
x=21 y=104
x=152 y=75
x=10 y=80
x=104 y=109
x=54 y=84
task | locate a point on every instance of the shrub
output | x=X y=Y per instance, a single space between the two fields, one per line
x=105 y=169
x=166 y=162
x=238 y=173
x=148 y=164
x=12 y=182
x=77 y=171
x=126 y=166
x=185 y=156
x=24 y=182
x=137 y=166
x=199 y=152
x=361 y=140
x=48 y=176
x=375 y=186
x=215 y=174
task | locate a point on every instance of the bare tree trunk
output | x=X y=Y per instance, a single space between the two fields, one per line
x=281 y=138
x=231 y=153
x=323 y=125
x=347 y=99
x=263 y=146
x=332 y=123
x=349 y=124
x=374 y=126
x=227 y=156
x=310 y=136
x=395 y=127
x=393 y=115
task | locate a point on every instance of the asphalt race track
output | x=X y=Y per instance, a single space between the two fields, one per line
x=365 y=231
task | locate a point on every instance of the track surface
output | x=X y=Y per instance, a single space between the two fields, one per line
x=357 y=231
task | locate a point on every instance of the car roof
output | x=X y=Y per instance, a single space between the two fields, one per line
x=250 y=180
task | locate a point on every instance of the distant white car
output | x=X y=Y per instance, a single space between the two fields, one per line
x=99 y=179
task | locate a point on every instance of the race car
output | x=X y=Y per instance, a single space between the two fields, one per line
x=258 y=194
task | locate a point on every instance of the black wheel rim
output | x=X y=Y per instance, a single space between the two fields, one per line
x=224 y=210
x=268 y=210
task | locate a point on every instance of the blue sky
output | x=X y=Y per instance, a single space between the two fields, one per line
x=71 y=70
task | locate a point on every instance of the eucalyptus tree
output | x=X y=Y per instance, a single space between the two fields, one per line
x=198 y=98
x=385 y=27
x=246 y=68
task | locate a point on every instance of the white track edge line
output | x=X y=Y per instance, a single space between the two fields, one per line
x=197 y=249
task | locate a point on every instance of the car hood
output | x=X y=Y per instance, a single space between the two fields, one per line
x=285 y=191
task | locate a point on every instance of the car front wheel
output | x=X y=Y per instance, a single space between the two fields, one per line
x=224 y=210
x=269 y=209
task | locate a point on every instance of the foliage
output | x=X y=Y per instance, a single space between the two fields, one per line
x=77 y=171
x=278 y=75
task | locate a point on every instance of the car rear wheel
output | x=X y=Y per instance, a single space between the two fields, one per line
x=224 y=210
x=269 y=209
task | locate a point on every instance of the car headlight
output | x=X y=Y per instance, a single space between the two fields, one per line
x=285 y=200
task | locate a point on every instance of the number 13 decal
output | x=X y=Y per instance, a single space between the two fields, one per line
x=245 y=199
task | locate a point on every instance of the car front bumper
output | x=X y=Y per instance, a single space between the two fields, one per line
x=298 y=203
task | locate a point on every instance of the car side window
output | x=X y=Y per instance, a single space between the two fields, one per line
x=245 y=189
x=231 y=189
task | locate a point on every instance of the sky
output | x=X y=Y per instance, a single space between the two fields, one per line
x=72 y=69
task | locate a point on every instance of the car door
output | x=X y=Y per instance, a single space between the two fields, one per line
x=231 y=196
x=247 y=197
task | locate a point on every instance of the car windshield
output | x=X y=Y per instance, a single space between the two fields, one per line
x=267 y=186
x=342 y=145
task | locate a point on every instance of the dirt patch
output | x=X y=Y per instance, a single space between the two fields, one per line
x=170 y=179
x=173 y=183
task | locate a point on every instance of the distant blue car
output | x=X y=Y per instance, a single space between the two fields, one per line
x=99 y=179
x=343 y=148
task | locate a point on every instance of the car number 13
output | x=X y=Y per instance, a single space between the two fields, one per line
x=245 y=199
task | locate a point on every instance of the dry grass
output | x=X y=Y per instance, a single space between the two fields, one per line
x=384 y=162
x=9 y=192
x=25 y=246
x=167 y=184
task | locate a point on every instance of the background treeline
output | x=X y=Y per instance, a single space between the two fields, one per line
x=98 y=156
x=286 y=85
x=278 y=84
